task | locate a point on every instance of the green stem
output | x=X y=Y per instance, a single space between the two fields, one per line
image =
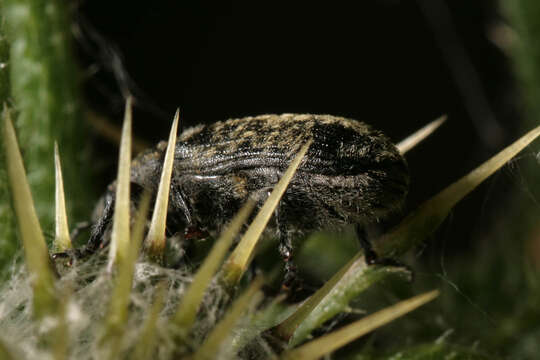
x=44 y=90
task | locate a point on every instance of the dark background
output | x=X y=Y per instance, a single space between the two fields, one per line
x=394 y=64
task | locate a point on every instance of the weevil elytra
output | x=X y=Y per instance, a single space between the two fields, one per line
x=351 y=174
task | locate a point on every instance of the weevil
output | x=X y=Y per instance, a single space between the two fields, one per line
x=351 y=174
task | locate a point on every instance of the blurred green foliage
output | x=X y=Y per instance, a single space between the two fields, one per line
x=42 y=83
x=524 y=20
x=7 y=221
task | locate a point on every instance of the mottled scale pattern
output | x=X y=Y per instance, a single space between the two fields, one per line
x=340 y=146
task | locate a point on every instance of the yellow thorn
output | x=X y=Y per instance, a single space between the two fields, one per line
x=189 y=304
x=35 y=248
x=428 y=216
x=62 y=241
x=238 y=262
x=119 y=302
x=286 y=329
x=156 y=234
x=120 y=232
x=328 y=343
x=418 y=136
x=223 y=329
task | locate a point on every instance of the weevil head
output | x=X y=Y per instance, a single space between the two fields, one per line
x=146 y=167
x=145 y=175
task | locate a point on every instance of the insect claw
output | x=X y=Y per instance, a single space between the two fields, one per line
x=369 y=254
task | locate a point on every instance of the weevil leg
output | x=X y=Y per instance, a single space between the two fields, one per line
x=285 y=247
x=178 y=201
x=97 y=237
x=371 y=256
x=95 y=241
x=291 y=274
x=365 y=244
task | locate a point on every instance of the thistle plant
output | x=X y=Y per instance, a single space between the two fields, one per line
x=97 y=309
x=123 y=302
